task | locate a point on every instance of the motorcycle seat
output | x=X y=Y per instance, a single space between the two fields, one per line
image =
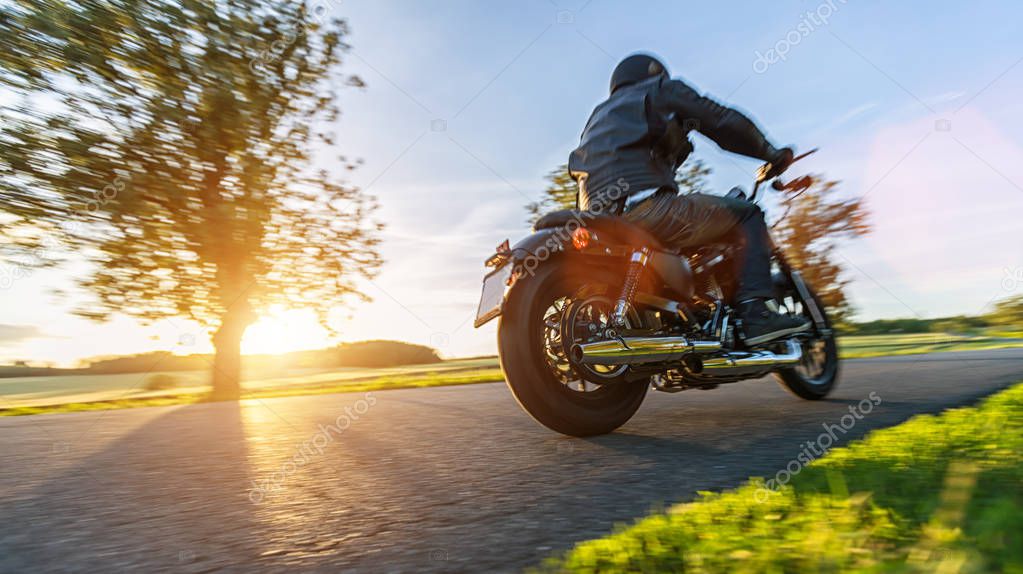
x=615 y=226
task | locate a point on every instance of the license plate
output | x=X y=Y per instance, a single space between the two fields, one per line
x=494 y=286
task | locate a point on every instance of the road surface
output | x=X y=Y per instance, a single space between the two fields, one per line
x=419 y=480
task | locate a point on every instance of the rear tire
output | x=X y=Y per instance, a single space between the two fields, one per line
x=537 y=383
x=817 y=374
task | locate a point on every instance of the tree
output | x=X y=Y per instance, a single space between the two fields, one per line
x=810 y=228
x=562 y=191
x=693 y=179
x=1008 y=312
x=958 y=324
x=172 y=141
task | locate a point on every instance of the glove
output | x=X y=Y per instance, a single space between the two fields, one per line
x=780 y=161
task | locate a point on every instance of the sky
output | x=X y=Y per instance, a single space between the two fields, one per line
x=468 y=105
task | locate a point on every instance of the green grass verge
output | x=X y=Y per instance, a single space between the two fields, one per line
x=939 y=493
x=373 y=384
x=104 y=405
x=862 y=347
x=852 y=347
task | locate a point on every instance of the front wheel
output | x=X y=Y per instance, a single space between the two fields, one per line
x=533 y=345
x=817 y=372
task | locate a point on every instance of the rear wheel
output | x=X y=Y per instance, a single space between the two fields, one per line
x=532 y=339
x=817 y=372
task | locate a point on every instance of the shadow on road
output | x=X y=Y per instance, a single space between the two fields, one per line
x=171 y=494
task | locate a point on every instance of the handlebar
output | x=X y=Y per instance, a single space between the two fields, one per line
x=798 y=184
x=801 y=156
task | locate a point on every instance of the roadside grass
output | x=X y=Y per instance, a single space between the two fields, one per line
x=866 y=346
x=432 y=379
x=126 y=403
x=455 y=372
x=938 y=493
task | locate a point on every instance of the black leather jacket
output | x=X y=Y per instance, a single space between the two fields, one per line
x=638 y=137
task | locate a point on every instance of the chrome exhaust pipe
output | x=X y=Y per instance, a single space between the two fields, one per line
x=637 y=350
x=749 y=362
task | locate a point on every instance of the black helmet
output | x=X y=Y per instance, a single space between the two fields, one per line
x=636 y=68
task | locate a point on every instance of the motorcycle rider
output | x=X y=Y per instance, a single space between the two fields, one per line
x=625 y=165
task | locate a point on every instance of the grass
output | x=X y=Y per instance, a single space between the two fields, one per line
x=939 y=493
x=38 y=390
x=58 y=394
x=430 y=379
x=128 y=403
x=860 y=347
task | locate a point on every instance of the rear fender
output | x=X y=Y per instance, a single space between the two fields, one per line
x=533 y=250
x=545 y=244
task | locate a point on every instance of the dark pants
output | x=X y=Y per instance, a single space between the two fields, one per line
x=681 y=221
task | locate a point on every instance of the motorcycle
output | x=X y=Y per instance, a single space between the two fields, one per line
x=593 y=312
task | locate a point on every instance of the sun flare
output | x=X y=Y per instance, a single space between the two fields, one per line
x=283 y=331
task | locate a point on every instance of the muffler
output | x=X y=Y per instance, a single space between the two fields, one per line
x=637 y=350
x=748 y=362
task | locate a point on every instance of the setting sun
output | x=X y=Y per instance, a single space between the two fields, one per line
x=283 y=331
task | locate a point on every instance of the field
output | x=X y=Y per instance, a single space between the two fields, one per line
x=884 y=345
x=41 y=391
x=31 y=395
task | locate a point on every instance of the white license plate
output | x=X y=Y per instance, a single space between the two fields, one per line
x=494 y=287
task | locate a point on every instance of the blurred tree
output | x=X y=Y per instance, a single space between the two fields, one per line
x=812 y=224
x=960 y=324
x=379 y=354
x=562 y=191
x=171 y=141
x=1008 y=312
x=886 y=326
x=693 y=178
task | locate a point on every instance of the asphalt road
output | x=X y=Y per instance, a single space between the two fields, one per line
x=440 y=479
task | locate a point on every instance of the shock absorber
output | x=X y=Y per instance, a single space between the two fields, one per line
x=637 y=263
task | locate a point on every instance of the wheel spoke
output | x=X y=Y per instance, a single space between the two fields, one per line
x=584 y=321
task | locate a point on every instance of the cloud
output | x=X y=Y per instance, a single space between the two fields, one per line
x=18 y=333
x=846 y=117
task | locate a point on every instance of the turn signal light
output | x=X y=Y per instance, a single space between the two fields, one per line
x=581 y=238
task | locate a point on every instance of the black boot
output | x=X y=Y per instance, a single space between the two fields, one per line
x=761 y=325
